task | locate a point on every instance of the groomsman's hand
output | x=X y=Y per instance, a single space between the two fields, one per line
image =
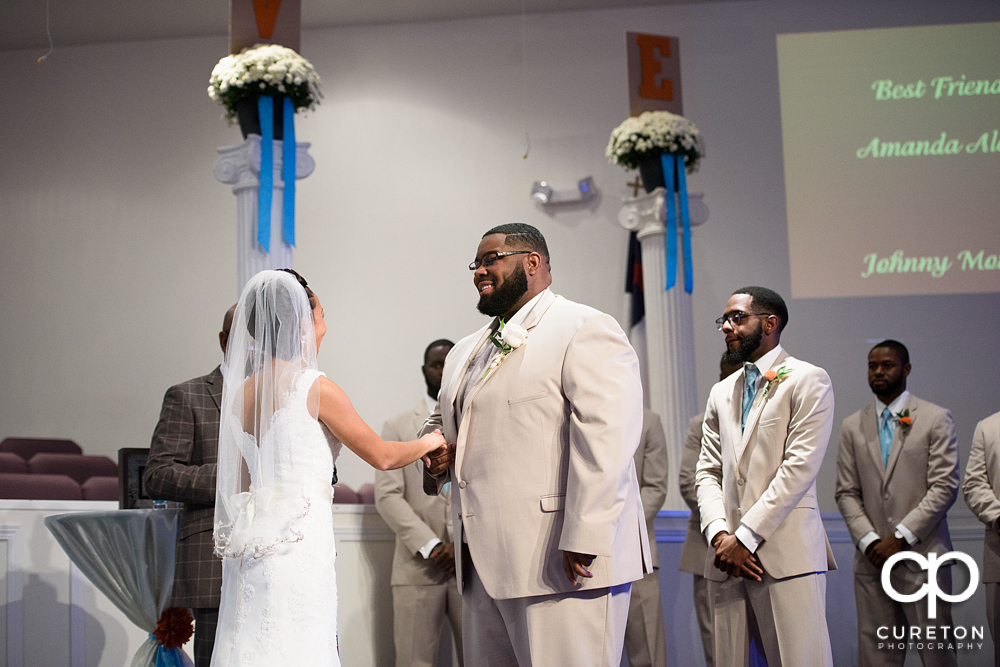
x=439 y=460
x=735 y=559
x=444 y=556
x=881 y=550
x=575 y=564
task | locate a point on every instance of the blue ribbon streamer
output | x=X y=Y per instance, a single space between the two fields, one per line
x=682 y=191
x=668 y=163
x=288 y=172
x=265 y=110
x=167 y=657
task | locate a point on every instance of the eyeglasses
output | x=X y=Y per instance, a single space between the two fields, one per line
x=491 y=258
x=735 y=318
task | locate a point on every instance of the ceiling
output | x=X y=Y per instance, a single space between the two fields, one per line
x=75 y=22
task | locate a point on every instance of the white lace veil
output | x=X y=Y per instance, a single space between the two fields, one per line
x=271 y=343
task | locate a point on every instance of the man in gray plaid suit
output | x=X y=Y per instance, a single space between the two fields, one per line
x=181 y=467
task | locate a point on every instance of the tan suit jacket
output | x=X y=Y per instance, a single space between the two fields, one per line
x=982 y=490
x=695 y=544
x=916 y=488
x=414 y=516
x=544 y=454
x=765 y=476
x=652 y=465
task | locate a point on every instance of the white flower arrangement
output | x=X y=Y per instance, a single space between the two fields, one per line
x=653 y=133
x=264 y=69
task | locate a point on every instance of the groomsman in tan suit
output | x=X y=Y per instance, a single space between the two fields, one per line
x=546 y=415
x=982 y=495
x=645 y=643
x=765 y=432
x=424 y=591
x=897 y=477
x=695 y=545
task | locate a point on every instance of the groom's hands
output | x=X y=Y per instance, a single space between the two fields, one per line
x=576 y=564
x=438 y=461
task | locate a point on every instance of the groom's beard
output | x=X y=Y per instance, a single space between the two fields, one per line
x=506 y=296
x=748 y=345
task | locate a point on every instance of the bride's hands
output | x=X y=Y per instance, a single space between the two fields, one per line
x=440 y=454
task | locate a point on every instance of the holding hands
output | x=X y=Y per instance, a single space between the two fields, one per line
x=443 y=455
x=735 y=559
x=443 y=556
x=879 y=551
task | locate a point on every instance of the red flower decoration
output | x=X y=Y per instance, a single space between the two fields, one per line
x=770 y=376
x=175 y=627
x=906 y=421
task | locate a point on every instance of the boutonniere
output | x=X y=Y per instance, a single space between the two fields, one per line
x=507 y=338
x=773 y=377
x=904 y=417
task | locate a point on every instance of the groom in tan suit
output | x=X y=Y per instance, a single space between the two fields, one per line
x=765 y=432
x=897 y=477
x=546 y=416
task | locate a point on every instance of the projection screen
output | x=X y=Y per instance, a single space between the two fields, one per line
x=892 y=160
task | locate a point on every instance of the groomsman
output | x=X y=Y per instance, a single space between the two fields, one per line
x=181 y=467
x=695 y=544
x=765 y=433
x=424 y=592
x=982 y=495
x=897 y=476
x=645 y=643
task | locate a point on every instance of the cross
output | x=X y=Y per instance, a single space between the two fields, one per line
x=635 y=186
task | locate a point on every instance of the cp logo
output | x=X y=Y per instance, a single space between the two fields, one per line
x=930 y=590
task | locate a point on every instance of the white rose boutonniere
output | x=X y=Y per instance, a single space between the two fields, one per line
x=513 y=335
x=508 y=337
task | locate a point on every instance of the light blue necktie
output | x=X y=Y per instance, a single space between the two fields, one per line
x=750 y=374
x=885 y=433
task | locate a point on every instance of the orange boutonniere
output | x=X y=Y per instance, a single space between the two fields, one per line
x=904 y=417
x=773 y=377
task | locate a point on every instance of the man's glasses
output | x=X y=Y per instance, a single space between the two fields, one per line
x=491 y=258
x=735 y=318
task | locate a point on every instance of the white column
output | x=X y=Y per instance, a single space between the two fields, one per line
x=673 y=388
x=240 y=167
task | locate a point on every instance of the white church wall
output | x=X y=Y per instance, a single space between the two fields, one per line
x=117 y=246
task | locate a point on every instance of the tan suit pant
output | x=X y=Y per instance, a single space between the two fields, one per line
x=992 y=614
x=645 y=643
x=418 y=617
x=580 y=629
x=703 y=611
x=787 y=616
x=876 y=609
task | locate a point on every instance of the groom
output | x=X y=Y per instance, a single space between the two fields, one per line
x=546 y=415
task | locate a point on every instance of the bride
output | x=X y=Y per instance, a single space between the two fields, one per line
x=282 y=426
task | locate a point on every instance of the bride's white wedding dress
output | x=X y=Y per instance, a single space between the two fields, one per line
x=279 y=599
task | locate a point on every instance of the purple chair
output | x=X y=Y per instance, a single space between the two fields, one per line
x=10 y=462
x=344 y=495
x=100 y=487
x=28 y=447
x=38 y=487
x=79 y=467
x=366 y=494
